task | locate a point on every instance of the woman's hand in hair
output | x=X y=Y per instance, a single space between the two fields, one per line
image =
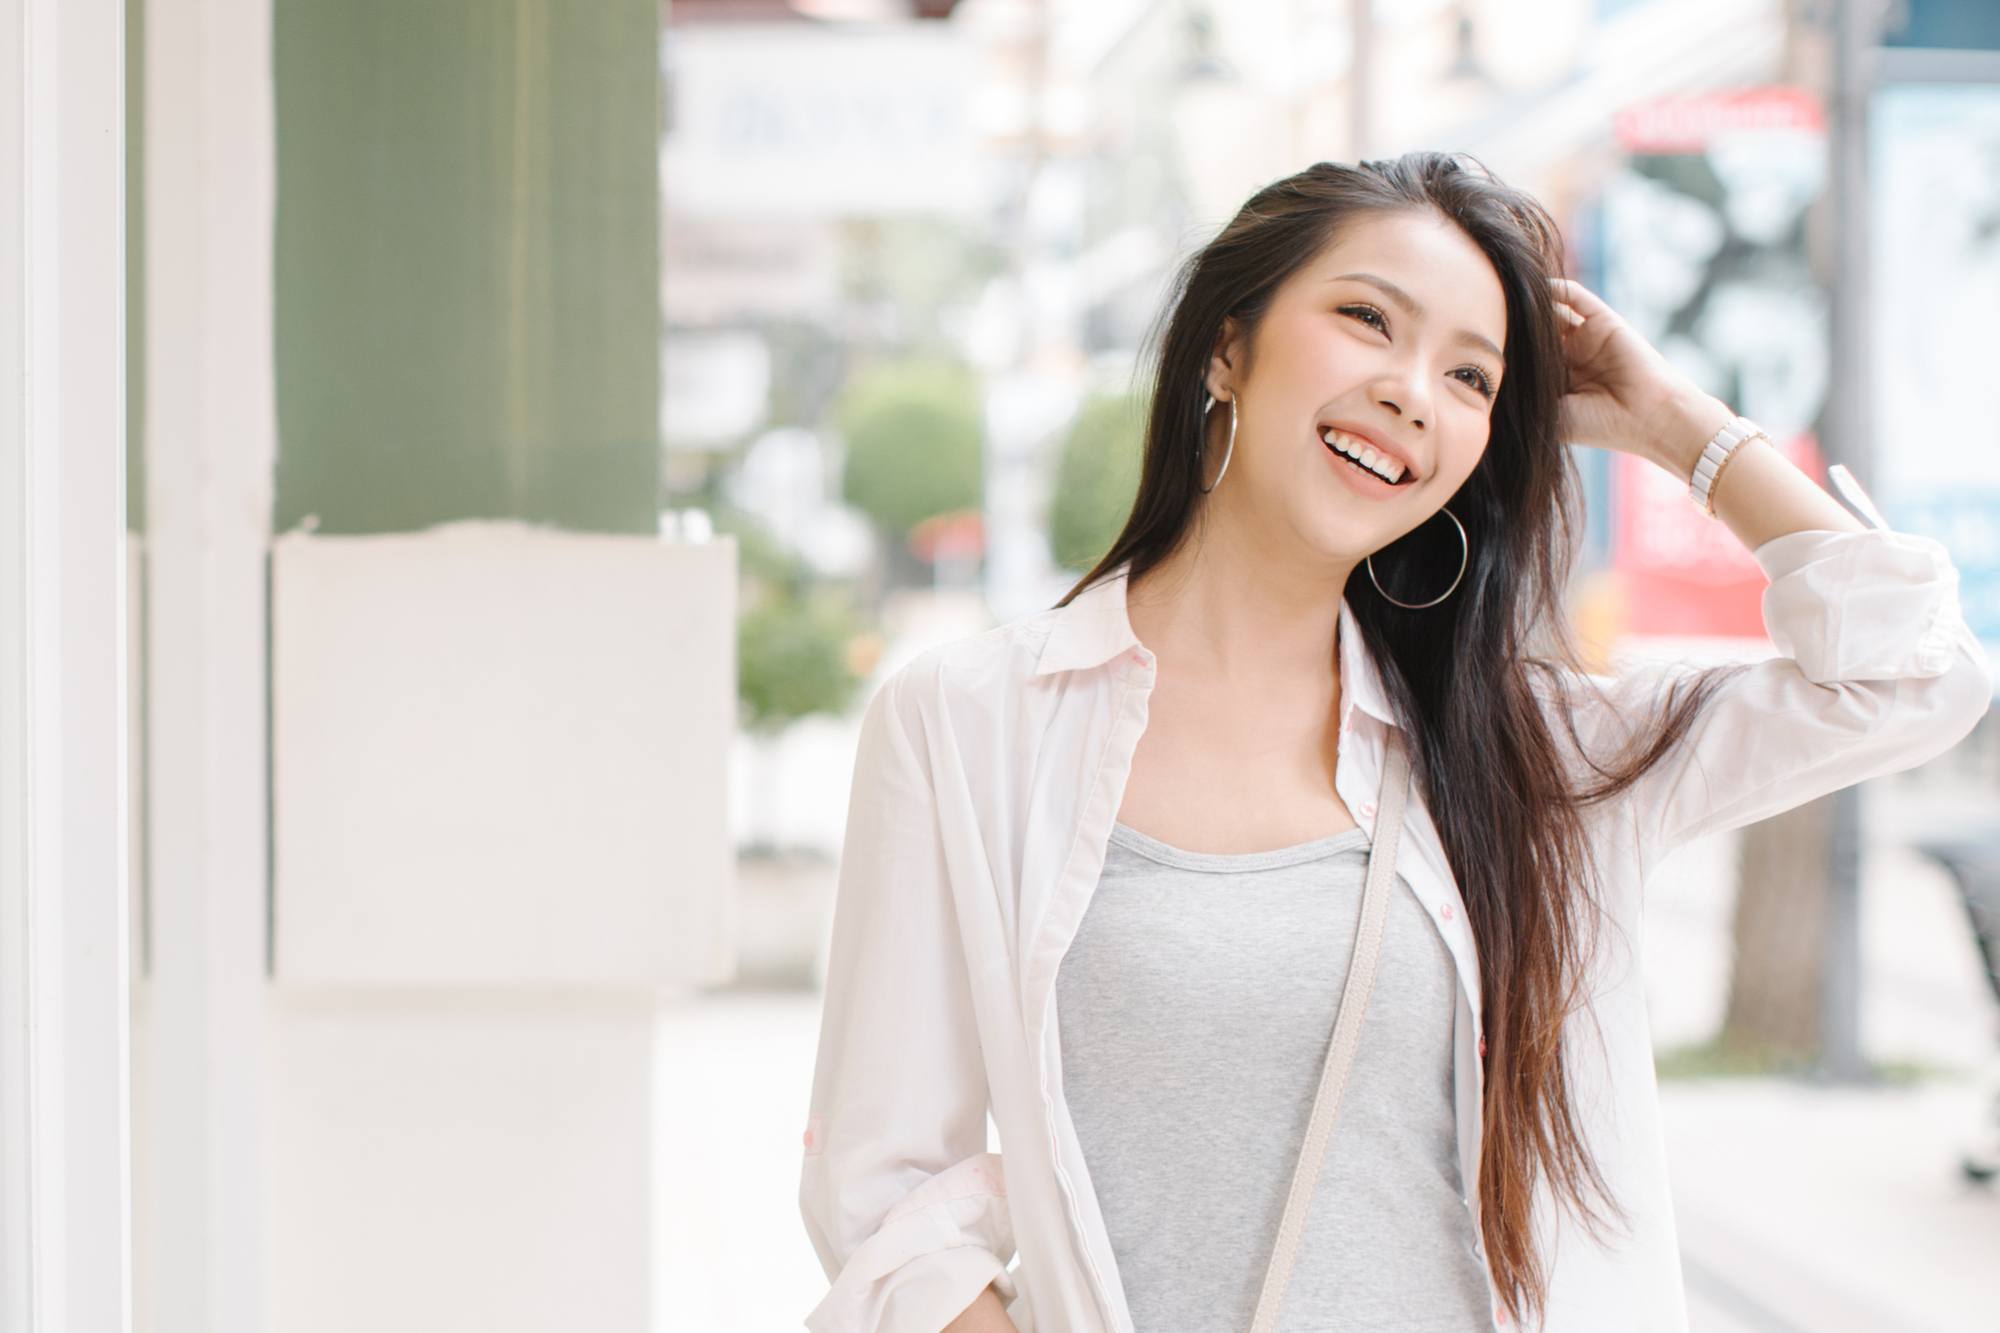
x=1623 y=394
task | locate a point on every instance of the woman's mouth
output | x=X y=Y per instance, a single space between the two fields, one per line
x=1371 y=471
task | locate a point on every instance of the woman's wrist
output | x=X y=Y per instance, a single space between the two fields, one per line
x=1686 y=424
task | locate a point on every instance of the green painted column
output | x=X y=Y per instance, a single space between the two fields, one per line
x=467 y=263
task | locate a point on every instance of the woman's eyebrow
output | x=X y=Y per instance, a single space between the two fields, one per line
x=1416 y=309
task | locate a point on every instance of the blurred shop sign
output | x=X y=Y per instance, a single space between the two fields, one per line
x=1969 y=526
x=1680 y=571
x=1689 y=123
x=730 y=273
x=1943 y=25
x=1934 y=297
x=1704 y=252
x=797 y=121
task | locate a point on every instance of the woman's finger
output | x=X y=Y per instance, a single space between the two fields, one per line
x=1579 y=297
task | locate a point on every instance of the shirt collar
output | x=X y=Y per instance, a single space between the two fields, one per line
x=1094 y=628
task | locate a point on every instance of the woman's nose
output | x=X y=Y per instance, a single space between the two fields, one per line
x=1411 y=407
x=1406 y=400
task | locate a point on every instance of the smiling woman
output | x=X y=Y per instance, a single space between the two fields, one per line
x=1029 y=923
x=1405 y=393
x=1405 y=305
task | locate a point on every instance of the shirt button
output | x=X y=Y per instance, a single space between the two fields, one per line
x=1368 y=809
x=1482 y=1048
x=1445 y=911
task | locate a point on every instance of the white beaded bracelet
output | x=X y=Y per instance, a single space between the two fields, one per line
x=1736 y=431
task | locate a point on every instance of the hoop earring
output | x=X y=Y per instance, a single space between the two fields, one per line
x=1201 y=439
x=1464 y=558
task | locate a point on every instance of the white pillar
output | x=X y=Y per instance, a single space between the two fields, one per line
x=210 y=448
x=63 y=711
x=444 y=1121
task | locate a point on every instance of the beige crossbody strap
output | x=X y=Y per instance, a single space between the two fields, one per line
x=1346 y=1031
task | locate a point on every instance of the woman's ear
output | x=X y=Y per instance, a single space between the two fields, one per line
x=1223 y=362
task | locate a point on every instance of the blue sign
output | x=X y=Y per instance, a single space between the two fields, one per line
x=1968 y=524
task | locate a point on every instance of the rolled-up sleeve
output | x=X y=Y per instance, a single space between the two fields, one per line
x=905 y=1207
x=1876 y=673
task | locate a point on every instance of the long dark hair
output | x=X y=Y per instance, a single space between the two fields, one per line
x=1492 y=775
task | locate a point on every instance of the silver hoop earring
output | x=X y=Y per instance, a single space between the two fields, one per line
x=1203 y=439
x=1464 y=558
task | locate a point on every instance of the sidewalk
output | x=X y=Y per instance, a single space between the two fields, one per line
x=1825 y=1210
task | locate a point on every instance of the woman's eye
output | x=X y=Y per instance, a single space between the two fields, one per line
x=1369 y=315
x=1367 y=310
x=1480 y=381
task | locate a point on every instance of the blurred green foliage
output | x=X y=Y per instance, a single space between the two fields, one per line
x=793 y=633
x=1717 y=1058
x=914 y=443
x=1097 y=478
x=792 y=660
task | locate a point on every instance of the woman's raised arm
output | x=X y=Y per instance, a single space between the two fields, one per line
x=1877 y=671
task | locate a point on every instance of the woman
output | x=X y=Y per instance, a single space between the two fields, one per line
x=1149 y=808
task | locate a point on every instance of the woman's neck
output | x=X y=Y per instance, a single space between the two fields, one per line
x=1240 y=615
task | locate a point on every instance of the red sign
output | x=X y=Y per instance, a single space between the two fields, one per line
x=1681 y=571
x=1688 y=123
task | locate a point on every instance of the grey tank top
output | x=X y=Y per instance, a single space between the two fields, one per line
x=1194 y=1008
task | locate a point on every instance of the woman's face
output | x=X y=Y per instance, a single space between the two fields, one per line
x=1384 y=336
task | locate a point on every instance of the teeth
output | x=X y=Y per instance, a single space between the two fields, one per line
x=1364 y=454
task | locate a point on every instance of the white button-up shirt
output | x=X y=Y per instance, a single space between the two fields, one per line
x=988 y=774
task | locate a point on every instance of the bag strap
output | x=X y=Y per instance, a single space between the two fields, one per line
x=1346 y=1032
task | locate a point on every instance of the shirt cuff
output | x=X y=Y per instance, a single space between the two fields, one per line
x=930 y=1258
x=1871 y=605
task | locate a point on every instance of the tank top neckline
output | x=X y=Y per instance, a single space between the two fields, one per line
x=1132 y=840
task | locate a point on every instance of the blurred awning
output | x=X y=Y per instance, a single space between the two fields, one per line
x=1646 y=52
x=818 y=11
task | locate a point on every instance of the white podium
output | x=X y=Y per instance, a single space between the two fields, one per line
x=498 y=835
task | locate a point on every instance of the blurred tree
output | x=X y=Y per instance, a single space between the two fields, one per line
x=793 y=632
x=1784 y=892
x=1097 y=478
x=914 y=444
x=798 y=644
x=793 y=650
